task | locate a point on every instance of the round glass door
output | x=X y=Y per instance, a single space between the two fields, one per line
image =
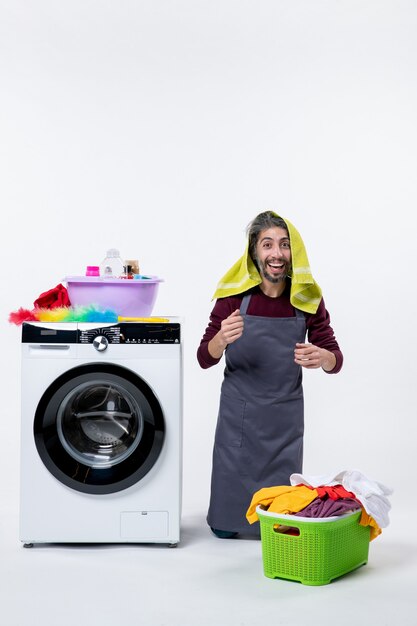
x=100 y=423
x=99 y=428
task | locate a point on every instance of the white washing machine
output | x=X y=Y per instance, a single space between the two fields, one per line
x=101 y=433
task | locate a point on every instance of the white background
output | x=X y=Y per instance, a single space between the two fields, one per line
x=162 y=128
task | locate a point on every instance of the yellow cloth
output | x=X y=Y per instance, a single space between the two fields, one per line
x=305 y=293
x=367 y=520
x=281 y=499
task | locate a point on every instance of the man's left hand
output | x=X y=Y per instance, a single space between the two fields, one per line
x=312 y=357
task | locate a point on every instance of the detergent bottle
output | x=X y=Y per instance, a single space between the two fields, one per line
x=112 y=265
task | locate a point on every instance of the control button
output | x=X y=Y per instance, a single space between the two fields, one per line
x=100 y=343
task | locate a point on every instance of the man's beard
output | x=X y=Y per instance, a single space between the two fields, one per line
x=263 y=270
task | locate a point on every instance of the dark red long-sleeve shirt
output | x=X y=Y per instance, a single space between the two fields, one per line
x=319 y=331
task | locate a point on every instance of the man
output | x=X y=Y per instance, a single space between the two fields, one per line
x=266 y=304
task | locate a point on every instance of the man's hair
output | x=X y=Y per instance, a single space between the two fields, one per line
x=260 y=223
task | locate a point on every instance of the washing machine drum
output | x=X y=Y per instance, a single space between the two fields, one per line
x=99 y=428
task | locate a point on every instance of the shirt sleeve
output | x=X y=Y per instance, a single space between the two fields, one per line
x=222 y=309
x=320 y=333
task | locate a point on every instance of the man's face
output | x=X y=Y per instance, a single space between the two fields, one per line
x=273 y=254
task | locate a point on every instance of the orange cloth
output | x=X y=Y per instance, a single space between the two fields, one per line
x=282 y=499
x=367 y=520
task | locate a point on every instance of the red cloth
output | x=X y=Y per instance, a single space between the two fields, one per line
x=58 y=296
x=334 y=492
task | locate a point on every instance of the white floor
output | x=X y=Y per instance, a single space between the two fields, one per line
x=204 y=581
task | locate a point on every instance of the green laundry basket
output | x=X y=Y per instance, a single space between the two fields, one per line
x=313 y=551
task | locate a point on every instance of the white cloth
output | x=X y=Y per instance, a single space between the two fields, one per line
x=370 y=493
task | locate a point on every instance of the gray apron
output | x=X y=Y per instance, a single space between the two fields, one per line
x=260 y=426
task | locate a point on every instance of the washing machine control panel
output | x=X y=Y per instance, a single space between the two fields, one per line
x=131 y=333
x=128 y=333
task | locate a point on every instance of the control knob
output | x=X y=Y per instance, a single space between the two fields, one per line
x=100 y=343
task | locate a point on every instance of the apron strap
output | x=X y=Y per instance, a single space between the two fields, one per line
x=245 y=303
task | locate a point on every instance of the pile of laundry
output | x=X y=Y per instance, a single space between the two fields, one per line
x=327 y=496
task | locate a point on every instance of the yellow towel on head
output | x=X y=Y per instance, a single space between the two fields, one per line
x=305 y=292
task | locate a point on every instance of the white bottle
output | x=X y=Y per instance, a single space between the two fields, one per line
x=112 y=265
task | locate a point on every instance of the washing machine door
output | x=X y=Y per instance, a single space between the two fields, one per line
x=99 y=428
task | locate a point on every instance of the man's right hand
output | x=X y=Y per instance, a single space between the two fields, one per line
x=231 y=329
